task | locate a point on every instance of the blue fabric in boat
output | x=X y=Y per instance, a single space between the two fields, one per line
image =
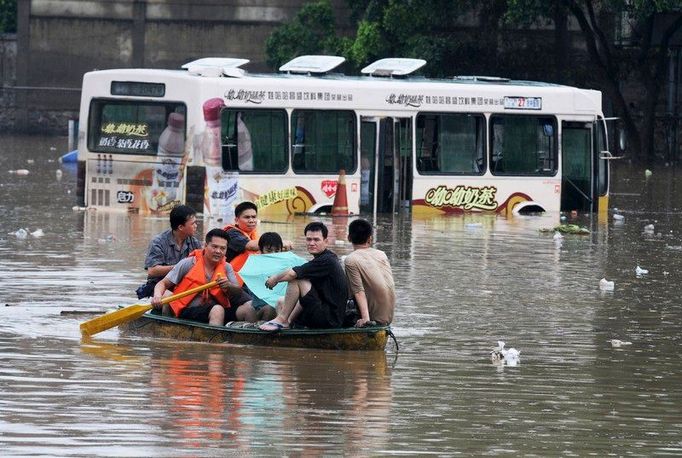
x=259 y=267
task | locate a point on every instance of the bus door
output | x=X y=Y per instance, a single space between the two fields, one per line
x=578 y=167
x=389 y=141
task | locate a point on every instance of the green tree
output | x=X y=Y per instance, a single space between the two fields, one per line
x=8 y=16
x=311 y=31
x=495 y=37
x=652 y=25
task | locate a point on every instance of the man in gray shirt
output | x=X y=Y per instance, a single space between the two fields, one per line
x=169 y=247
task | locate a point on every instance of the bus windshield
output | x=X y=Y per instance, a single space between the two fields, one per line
x=128 y=127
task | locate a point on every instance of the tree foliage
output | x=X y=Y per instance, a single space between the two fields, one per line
x=8 y=16
x=643 y=56
x=312 y=31
x=501 y=38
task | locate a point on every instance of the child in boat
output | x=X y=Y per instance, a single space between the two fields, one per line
x=269 y=242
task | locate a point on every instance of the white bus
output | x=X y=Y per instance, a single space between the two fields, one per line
x=211 y=135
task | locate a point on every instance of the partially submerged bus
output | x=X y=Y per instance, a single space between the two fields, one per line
x=211 y=134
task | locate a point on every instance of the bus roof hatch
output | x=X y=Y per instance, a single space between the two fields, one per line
x=214 y=66
x=312 y=64
x=395 y=66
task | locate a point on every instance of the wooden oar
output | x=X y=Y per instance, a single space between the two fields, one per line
x=111 y=319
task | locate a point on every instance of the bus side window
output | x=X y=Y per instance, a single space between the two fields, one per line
x=450 y=143
x=323 y=141
x=230 y=140
x=254 y=140
x=298 y=147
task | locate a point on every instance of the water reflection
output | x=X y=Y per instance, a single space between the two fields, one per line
x=252 y=401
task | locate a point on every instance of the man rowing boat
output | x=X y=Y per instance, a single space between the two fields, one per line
x=217 y=305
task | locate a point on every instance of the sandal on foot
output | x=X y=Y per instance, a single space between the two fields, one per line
x=273 y=326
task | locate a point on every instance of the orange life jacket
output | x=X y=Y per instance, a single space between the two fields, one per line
x=238 y=261
x=197 y=277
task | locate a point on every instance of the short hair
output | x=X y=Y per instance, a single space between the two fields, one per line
x=316 y=226
x=217 y=232
x=246 y=205
x=180 y=214
x=359 y=231
x=270 y=240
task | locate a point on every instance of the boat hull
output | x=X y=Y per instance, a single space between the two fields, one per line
x=151 y=325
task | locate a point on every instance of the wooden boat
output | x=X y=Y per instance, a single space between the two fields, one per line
x=154 y=325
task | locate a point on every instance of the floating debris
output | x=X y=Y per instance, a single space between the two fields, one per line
x=606 y=285
x=639 y=271
x=557 y=236
x=59 y=174
x=19 y=172
x=618 y=343
x=510 y=356
x=37 y=233
x=649 y=228
x=21 y=234
x=648 y=173
x=30 y=161
x=618 y=217
x=568 y=229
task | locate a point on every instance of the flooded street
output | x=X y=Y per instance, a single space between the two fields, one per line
x=463 y=283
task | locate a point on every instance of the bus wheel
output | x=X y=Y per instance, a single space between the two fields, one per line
x=528 y=208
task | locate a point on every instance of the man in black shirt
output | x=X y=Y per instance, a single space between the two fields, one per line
x=317 y=291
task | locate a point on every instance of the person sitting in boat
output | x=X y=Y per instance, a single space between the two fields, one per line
x=169 y=247
x=243 y=240
x=317 y=290
x=224 y=302
x=268 y=242
x=370 y=279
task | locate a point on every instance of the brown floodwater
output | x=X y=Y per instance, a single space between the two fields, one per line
x=463 y=283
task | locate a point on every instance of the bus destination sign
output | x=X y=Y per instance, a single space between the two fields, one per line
x=137 y=88
x=523 y=103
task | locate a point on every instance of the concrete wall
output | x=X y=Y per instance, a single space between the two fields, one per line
x=59 y=40
x=8 y=77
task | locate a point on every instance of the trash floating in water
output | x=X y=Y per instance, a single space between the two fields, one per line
x=37 y=233
x=606 y=285
x=30 y=161
x=20 y=234
x=76 y=208
x=618 y=343
x=639 y=271
x=59 y=174
x=648 y=173
x=568 y=229
x=649 y=228
x=19 y=172
x=618 y=217
x=109 y=238
x=557 y=236
x=509 y=356
x=52 y=148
